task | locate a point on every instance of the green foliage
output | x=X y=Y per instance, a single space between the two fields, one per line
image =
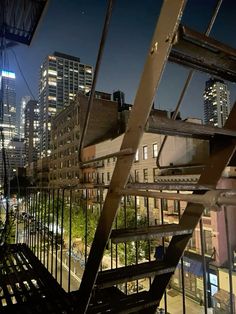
x=79 y=213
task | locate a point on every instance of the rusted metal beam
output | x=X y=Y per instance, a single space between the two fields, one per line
x=108 y=278
x=123 y=152
x=147 y=233
x=169 y=186
x=213 y=198
x=166 y=126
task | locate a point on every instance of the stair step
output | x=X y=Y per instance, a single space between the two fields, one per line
x=196 y=50
x=165 y=185
x=123 y=304
x=147 y=233
x=112 y=277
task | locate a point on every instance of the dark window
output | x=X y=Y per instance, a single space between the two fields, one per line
x=145 y=175
x=145 y=153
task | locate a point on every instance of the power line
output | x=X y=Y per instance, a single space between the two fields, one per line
x=22 y=74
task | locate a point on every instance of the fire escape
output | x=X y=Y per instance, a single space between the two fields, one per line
x=28 y=286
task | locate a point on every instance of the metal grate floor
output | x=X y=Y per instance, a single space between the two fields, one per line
x=26 y=286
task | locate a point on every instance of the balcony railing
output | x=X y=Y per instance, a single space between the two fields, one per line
x=58 y=225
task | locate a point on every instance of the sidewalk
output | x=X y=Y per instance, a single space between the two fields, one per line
x=175 y=305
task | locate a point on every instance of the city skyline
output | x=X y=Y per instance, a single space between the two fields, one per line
x=105 y=208
x=75 y=28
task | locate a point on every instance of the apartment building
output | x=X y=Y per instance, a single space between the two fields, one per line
x=66 y=130
x=62 y=76
x=216 y=102
x=104 y=139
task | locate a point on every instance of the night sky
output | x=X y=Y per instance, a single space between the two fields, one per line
x=74 y=27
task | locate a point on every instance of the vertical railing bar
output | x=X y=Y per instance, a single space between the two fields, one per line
x=112 y=255
x=136 y=242
x=163 y=244
x=26 y=222
x=204 y=266
x=44 y=227
x=38 y=222
x=41 y=224
x=70 y=222
x=125 y=226
x=149 y=242
x=86 y=227
x=100 y=207
x=52 y=232
x=232 y=310
x=48 y=238
x=17 y=219
x=31 y=205
x=31 y=226
x=34 y=222
x=182 y=266
x=116 y=245
x=56 y=238
x=62 y=233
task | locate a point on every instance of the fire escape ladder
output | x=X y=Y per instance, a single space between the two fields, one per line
x=98 y=291
x=156 y=60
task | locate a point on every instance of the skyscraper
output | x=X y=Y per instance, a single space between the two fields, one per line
x=8 y=104
x=31 y=131
x=61 y=77
x=21 y=116
x=216 y=102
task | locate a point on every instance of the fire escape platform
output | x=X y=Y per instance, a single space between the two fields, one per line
x=26 y=286
x=112 y=300
x=115 y=276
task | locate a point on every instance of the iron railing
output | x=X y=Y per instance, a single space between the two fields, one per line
x=58 y=225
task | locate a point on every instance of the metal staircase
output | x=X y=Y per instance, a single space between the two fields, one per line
x=98 y=293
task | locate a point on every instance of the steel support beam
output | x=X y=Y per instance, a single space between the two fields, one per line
x=169 y=186
x=166 y=126
x=212 y=198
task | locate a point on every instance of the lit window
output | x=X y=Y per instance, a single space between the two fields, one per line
x=52 y=72
x=88 y=70
x=154 y=150
x=145 y=153
x=52 y=58
x=52 y=98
